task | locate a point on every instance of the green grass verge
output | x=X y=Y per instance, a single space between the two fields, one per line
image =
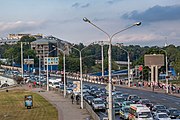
x=12 y=107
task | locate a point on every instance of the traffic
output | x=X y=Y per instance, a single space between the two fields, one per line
x=126 y=105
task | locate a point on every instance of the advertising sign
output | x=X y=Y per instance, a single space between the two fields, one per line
x=154 y=59
x=51 y=60
x=77 y=88
x=29 y=61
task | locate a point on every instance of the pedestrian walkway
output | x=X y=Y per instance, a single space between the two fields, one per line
x=66 y=110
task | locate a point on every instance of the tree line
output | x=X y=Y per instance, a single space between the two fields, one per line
x=92 y=53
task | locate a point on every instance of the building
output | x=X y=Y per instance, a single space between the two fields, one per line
x=46 y=47
x=8 y=41
x=12 y=39
x=19 y=36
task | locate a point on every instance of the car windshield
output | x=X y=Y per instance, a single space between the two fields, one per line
x=56 y=83
x=98 y=102
x=163 y=116
x=145 y=101
x=161 y=107
x=174 y=111
x=145 y=115
x=119 y=99
x=128 y=103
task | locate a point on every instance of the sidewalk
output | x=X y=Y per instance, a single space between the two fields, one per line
x=66 y=110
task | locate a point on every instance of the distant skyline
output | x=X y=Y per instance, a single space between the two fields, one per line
x=64 y=20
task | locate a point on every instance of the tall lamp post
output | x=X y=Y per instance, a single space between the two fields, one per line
x=80 y=60
x=110 y=113
x=47 y=69
x=166 y=70
x=22 y=66
x=64 y=70
x=128 y=58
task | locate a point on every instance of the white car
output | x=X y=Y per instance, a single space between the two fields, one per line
x=161 y=116
x=98 y=104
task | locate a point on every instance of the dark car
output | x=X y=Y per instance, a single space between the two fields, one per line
x=159 y=108
x=146 y=102
x=133 y=98
x=173 y=113
x=89 y=99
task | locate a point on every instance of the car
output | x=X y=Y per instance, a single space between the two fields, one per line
x=116 y=107
x=119 y=100
x=133 y=98
x=89 y=99
x=161 y=116
x=125 y=95
x=174 y=113
x=69 y=90
x=145 y=102
x=124 y=112
x=126 y=103
x=159 y=108
x=98 y=104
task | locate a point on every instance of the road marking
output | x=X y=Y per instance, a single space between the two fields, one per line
x=152 y=95
x=164 y=99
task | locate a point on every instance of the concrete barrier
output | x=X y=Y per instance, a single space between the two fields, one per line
x=91 y=111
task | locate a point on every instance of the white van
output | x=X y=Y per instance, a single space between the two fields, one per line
x=139 y=112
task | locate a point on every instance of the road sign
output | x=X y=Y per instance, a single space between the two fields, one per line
x=51 y=60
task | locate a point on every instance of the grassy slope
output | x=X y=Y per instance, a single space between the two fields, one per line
x=12 y=107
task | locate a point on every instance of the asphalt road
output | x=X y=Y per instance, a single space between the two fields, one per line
x=154 y=97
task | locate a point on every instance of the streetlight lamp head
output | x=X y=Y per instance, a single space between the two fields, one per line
x=137 y=23
x=86 y=20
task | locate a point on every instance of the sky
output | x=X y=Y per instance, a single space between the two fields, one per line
x=64 y=20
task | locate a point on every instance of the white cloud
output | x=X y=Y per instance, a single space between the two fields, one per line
x=19 y=26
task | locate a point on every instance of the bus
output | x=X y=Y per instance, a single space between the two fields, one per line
x=139 y=112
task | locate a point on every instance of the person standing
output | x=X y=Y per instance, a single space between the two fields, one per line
x=72 y=98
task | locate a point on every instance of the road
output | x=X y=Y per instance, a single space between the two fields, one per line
x=156 y=98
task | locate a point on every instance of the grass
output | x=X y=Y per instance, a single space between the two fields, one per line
x=12 y=107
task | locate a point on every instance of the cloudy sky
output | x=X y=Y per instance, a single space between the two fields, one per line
x=64 y=19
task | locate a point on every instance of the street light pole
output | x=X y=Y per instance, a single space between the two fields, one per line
x=47 y=69
x=128 y=58
x=102 y=57
x=64 y=70
x=166 y=70
x=110 y=112
x=80 y=61
x=22 y=66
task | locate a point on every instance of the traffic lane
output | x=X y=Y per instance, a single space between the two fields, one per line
x=157 y=98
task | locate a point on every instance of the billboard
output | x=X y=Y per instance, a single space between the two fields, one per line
x=51 y=60
x=77 y=88
x=29 y=61
x=154 y=59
